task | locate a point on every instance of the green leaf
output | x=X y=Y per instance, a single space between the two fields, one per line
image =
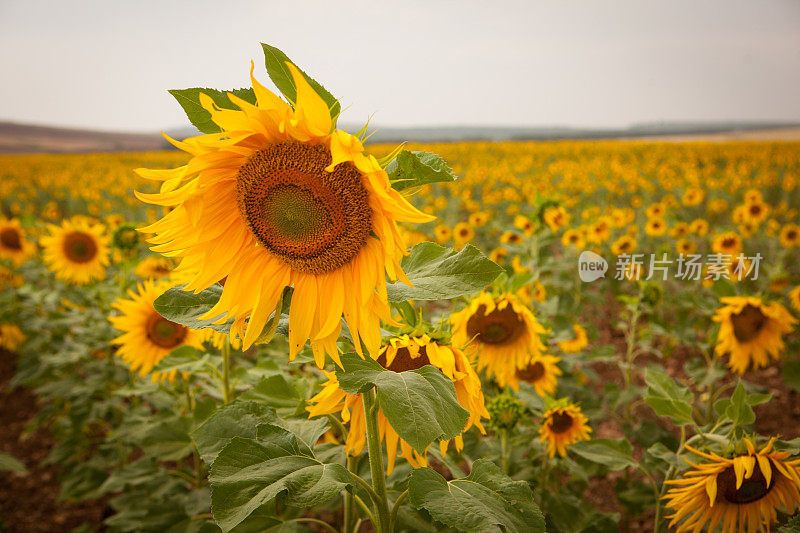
x=440 y=273
x=183 y=307
x=412 y=169
x=661 y=452
x=614 y=454
x=189 y=99
x=248 y=474
x=668 y=398
x=168 y=440
x=237 y=419
x=274 y=391
x=9 y=463
x=486 y=500
x=739 y=410
x=420 y=404
x=185 y=358
x=282 y=78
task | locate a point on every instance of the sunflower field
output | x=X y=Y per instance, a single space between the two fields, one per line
x=277 y=328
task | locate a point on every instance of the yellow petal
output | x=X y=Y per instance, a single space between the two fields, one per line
x=309 y=106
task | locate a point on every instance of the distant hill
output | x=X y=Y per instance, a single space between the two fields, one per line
x=24 y=138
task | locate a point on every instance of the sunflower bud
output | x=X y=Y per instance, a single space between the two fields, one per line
x=505 y=411
x=126 y=237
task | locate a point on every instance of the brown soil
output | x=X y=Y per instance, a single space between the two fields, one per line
x=28 y=500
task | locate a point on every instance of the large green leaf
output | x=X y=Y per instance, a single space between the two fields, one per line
x=668 y=398
x=185 y=358
x=614 y=454
x=440 y=273
x=420 y=404
x=249 y=473
x=282 y=78
x=189 y=99
x=412 y=169
x=486 y=500
x=183 y=307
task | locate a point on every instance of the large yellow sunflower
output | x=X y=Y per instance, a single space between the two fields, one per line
x=505 y=333
x=562 y=426
x=401 y=354
x=147 y=336
x=281 y=198
x=13 y=243
x=76 y=251
x=742 y=493
x=751 y=331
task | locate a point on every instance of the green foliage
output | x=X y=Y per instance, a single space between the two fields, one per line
x=413 y=169
x=189 y=99
x=282 y=78
x=420 y=404
x=614 y=454
x=668 y=398
x=486 y=500
x=9 y=463
x=442 y=274
x=249 y=473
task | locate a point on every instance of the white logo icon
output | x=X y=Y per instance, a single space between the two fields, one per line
x=591 y=266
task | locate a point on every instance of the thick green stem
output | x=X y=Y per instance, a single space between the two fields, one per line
x=226 y=371
x=376 y=460
x=349 y=502
x=396 y=508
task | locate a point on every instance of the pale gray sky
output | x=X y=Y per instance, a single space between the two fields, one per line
x=106 y=64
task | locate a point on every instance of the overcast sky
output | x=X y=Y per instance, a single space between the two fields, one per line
x=107 y=65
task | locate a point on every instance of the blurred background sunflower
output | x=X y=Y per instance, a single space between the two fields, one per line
x=563 y=424
x=76 y=251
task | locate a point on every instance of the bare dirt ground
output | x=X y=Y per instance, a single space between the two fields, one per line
x=29 y=501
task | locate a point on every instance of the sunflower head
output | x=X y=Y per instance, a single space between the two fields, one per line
x=77 y=251
x=563 y=424
x=13 y=243
x=743 y=492
x=399 y=355
x=147 y=337
x=11 y=337
x=751 y=331
x=282 y=198
x=505 y=410
x=504 y=332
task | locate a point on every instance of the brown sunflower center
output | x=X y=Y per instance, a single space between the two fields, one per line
x=315 y=221
x=403 y=360
x=755 y=209
x=728 y=242
x=11 y=239
x=560 y=422
x=791 y=234
x=163 y=332
x=501 y=326
x=747 y=323
x=80 y=247
x=531 y=373
x=753 y=488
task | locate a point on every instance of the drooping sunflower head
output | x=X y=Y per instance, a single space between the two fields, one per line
x=742 y=493
x=14 y=245
x=76 y=251
x=282 y=198
x=504 y=332
x=577 y=344
x=751 y=331
x=147 y=336
x=399 y=355
x=561 y=426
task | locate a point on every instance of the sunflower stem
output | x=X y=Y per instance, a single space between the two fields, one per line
x=396 y=508
x=226 y=371
x=376 y=460
x=349 y=502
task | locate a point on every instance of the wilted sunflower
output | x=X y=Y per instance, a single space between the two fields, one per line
x=577 y=344
x=401 y=354
x=13 y=243
x=751 y=331
x=11 y=337
x=147 y=336
x=542 y=373
x=282 y=198
x=505 y=333
x=562 y=426
x=743 y=493
x=154 y=267
x=76 y=251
